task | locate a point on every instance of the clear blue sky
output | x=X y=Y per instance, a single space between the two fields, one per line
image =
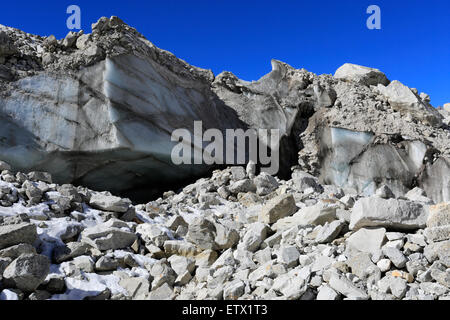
x=413 y=45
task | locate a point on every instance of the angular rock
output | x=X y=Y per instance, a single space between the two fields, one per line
x=234 y=290
x=109 y=203
x=396 y=256
x=362 y=75
x=347 y=288
x=104 y=237
x=366 y=240
x=439 y=215
x=391 y=213
x=403 y=99
x=329 y=231
x=318 y=214
x=277 y=208
x=288 y=255
x=137 y=288
x=326 y=293
x=14 y=234
x=202 y=233
x=265 y=184
x=27 y=272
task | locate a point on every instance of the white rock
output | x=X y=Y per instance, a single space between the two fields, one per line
x=363 y=75
x=392 y=213
x=366 y=240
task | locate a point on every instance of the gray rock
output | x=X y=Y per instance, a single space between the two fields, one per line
x=4 y=262
x=291 y=286
x=137 y=288
x=40 y=176
x=289 y=256
x=326 y=293
x=234 y=290
x=8 y=294
x=396 y=256
x=164 y=292
x=152 y=234
x=329 y=231
x=242 y=186
x=161 y=274
x=419 y=195
x=404 y=100
x=398 y=287
x=318 y=214
x=238 y=173
x=14 y=234
x=104 y=237
x=106 y=263
x=384 y=265
x=277 y=208
x=27 y=272
x=439 y=215
x=181 y=264
x=385 y=192
x=366 y=240
x=438 y=250
x=361 y=265
x=4 y=166
x=347 y=288
x=433 y=288
x=265 y=184
x=202 y=233
x=303 y=181
x=175 y=221
x=109 y=203
x=362 y=75
x=391 y=213
x=225 y=237
x=84 y=263
x=251 y=169
x=255 y=235
x=436 y=234
x=15 y=251
x=70 y=250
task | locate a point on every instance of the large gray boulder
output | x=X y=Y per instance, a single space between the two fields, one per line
x=109 y=235
x=390 y=213
x=109 y=203
x=14 y=234
x=27 y=272
x=407 y=102
x=277 y=208
x=362 y=75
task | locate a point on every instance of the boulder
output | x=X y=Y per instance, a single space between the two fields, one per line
x=28 y=271
x=202 y=233
x=390 y=213
x=105 y=237
x=109 y=203
x=14 y=234
x=277 y=208
x=362 y=75
x=366 y=240
x=318 y=214
x=404 y=100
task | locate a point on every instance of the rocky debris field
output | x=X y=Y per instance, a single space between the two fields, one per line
x=234 y=235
